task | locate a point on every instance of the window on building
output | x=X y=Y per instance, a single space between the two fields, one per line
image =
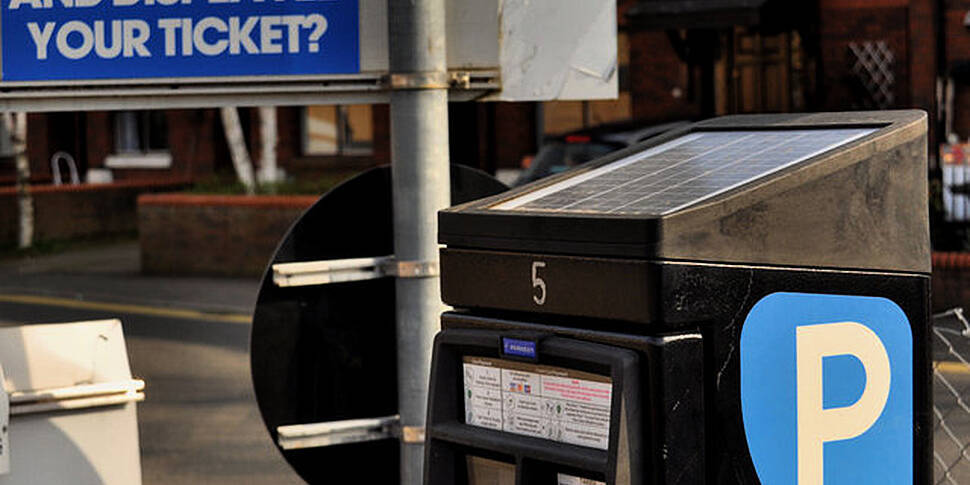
x=140 y=131
x=338 y=130
x=564 y=116
x=140 y=140
x=6 y=141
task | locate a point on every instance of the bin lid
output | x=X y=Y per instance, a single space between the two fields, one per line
x=39 y=358
x=834 y=190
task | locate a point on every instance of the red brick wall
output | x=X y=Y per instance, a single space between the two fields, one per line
x=37 y=148
x=69 y=212
x=289 y=134
x=488 y=136
x=657 y=77
x=514 y=134
x=958 y=51
x=908 y=26
x=951 y=281
x=196 y=141
x=195 y=136
x=382 y=134
x=99 y=129
x=922 y=58
x=842 y=22
x=957 y=36
x=88 y=138
x=213 y=235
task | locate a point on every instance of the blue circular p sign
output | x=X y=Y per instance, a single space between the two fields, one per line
x=827 y=390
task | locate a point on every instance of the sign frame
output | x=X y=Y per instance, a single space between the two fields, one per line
x=491 y=56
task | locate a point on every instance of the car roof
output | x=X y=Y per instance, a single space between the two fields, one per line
x=623 y=133
x=635 y=136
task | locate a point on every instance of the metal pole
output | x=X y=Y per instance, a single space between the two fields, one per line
x=421 y=185
x=17 y=128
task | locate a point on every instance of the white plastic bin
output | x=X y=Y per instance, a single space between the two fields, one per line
x=72 y=405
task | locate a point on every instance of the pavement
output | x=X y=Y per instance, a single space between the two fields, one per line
x=188 y=338
x=111 y=273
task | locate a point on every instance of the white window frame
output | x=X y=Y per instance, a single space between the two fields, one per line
x=125 y=124
x=344 y=148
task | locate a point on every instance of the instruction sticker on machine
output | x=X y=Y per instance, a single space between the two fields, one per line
x=554 y=403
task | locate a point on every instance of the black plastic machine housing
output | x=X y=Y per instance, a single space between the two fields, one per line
x=647 y=277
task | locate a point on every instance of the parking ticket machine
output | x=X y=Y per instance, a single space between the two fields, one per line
x=741 y=301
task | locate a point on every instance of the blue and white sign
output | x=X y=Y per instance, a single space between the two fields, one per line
x=118 y=39
x=519 y=347
x=827 y=390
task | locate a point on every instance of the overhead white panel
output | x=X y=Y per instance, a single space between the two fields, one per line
x=557 y=49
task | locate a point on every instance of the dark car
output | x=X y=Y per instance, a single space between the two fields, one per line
x=562 y=152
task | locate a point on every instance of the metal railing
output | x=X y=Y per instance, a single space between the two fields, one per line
x=951 y=393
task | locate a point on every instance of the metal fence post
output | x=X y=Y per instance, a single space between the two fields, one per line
x=421 y=186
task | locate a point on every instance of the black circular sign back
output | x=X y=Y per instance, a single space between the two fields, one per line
x=327 y=352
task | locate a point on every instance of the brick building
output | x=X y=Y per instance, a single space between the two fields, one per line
x=677 y=60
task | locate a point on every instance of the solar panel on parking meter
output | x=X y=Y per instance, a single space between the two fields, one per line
x=741 y=301
x=682 y=172
x=326 y=352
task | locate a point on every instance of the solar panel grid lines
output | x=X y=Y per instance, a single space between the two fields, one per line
x=598 y=172
x=682 y=172
x=659 y=169
x=699 y=189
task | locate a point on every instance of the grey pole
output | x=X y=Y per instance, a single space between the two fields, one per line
x=421 y=185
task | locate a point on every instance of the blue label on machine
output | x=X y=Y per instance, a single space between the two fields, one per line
x=519 y=348
x=119 y=39
x=827 y=390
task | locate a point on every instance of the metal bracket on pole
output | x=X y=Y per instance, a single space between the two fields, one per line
x=429 y=80
x=329 y=271
x=342 y=270
x=410 y=269
x=314 y=435
x=461 y=80
x=330 y=433
x=412 y=434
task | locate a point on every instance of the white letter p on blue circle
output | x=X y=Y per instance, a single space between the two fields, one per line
x=827 y=390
